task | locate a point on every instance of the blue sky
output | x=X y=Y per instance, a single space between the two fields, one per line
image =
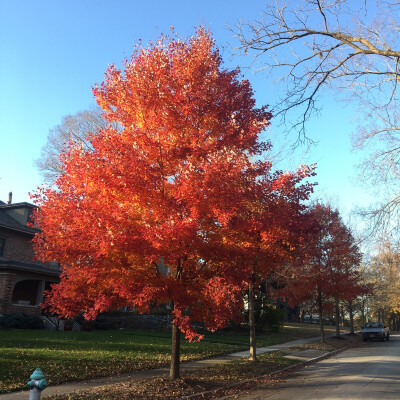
x=53 y=52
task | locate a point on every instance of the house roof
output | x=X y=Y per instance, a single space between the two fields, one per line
x=6 y=221
x=17 y=205
x=28 y=267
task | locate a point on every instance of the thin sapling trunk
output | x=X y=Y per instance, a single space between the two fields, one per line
x=253 y=355
x=174 y=372
x=337 y=318
x=321 y=323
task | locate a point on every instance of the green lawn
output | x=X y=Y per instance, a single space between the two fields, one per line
x=191 y=382
x=69 y=356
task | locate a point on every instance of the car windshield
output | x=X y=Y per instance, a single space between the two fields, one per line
x=373 y=325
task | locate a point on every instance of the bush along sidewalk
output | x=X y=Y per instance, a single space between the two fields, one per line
x=223 y=378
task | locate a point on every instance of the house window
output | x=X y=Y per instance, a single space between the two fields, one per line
x=26 y=292
x=2 y=246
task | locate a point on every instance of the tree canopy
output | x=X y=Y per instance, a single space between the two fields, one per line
x=159 y=188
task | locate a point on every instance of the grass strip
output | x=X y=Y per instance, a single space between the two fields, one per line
x=73 y=356
x=200 y=380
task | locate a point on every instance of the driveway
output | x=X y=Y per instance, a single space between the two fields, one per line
x=371 y=371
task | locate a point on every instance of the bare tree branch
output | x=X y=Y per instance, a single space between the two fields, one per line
x=351 y=48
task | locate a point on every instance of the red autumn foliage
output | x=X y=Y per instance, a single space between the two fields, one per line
x=329 y=260
x=163 y=187
x=266 y=230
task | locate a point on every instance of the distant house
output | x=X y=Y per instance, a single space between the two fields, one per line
x=22 y=280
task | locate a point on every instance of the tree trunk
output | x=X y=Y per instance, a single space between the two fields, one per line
x=363 y=304
x=351 y=318
x=253 y=354
x=285 y=311
x=321 y=323
x=174 y=371
x=337 y=318
x=342 y=316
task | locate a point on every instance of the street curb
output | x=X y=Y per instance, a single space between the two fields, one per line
x=303 y=364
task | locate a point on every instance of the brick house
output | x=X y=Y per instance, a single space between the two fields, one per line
x=22 y=280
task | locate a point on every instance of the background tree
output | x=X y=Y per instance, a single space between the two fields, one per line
x=163 y=185
x=344 y=260
x=351 y=49
x=328 y=257
x=265 y=230
x=361 y=303
x=384 y=277
x=307 y=309
x=74 y=129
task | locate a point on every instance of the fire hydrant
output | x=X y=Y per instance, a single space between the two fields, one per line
x=36 y=384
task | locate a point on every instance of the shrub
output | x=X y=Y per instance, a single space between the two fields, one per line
x=102 y=323
x=267 y=317
x=270 y=318
x=21 y=321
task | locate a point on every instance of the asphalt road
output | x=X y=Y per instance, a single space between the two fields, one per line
x=371 y=371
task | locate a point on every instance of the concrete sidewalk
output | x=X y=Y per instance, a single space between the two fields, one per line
x=150 y=373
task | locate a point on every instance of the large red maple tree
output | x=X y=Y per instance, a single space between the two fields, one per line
x=159 y=189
